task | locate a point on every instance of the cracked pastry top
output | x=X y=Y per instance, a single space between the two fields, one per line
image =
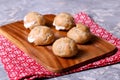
x=80 y=34
x=41 y=35
x=33 y=19
x=65 y=47
x=63 y=21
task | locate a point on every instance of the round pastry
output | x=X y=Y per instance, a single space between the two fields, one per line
x=63 y=21
x=41 y=35
x=80 y=34
x=33 y=19
x=83 y=27
x=65 y=47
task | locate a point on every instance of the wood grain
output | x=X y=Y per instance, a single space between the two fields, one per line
x=94 y=50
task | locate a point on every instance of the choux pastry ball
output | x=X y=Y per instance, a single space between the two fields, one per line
x=33 y=19
x=65 y=47
x=63 y=21
x=80 y=34
x=41 y=35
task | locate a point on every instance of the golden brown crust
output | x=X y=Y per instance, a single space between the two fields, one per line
x=65 y=20
x=83 y=27
x=80 y=34
x=65 y=47
x=35 y=18
x=42 y=35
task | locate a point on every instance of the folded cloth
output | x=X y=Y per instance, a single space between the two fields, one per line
x=19 y=66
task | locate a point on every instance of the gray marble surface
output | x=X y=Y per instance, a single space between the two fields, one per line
x=105 y=12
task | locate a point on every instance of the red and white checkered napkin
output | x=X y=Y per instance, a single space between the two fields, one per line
x=20 y=66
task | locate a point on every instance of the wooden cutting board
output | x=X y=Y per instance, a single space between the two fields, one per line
x=94 y=50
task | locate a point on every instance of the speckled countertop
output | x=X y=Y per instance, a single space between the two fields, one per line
x=105 y=12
